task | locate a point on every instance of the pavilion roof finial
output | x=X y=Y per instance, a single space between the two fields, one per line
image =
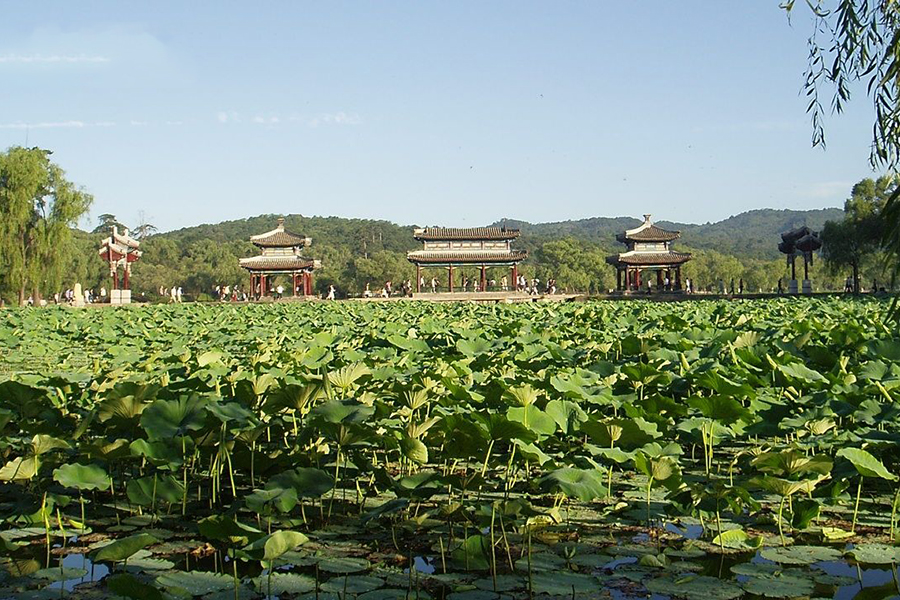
x=280 y=222
x=647 y=218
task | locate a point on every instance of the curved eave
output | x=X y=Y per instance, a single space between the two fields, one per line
x=649 y=259
x=437 y=259
x=473 y=234
x=262 y=263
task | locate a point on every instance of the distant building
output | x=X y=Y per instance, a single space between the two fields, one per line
x=648 y=249
x=280 y=255
x=481 y=247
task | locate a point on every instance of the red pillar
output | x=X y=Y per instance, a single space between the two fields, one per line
x=309 y=284
x=263 y=285
x=418 y=279
x=637 y=279
x=515 y=276
x=678 y=278
x=450 y=278
x=125 y=278
x=483 y=279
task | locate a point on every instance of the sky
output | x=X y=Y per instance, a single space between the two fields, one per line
x=455 y=113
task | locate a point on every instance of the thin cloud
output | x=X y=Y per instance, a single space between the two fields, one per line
x=52 y=59
x=336 y=118
x=55 y=125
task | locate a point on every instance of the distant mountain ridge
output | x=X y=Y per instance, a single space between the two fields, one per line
x=753 y=233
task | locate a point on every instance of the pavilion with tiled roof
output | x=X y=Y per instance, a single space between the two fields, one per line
x=481 y=247
x=648 y=248
x=280 y=255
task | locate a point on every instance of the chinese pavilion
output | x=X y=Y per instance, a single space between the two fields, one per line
x=119 y=249
x=482 y=247
x=648 y=248
x=280 y=256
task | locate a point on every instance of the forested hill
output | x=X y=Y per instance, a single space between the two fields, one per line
x=754 y=233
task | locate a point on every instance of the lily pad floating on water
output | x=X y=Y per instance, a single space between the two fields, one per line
x=563 y=584
x=57 y=574
x=800 y=555
x=504 y=583
x=780 y=585
x=353 y=584
x=285 y=583
x=690 y=587
x=541 y=561
x=195 y=583
x=342 y=565
x=876 y=554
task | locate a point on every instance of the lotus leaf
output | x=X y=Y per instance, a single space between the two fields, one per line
x=124 y=548
x=800 y=555
x=82 y=477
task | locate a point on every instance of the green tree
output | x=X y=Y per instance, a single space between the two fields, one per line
x=38 y=209
x=857 y=237
x=105 y=223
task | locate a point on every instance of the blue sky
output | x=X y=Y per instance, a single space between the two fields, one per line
x=455 y=113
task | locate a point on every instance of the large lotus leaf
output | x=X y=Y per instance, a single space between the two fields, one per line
x=124 y=548
x=567 y=414
x=337 y=411
x=227 y=528
x=473 y=554
x=792 y=462
x=234 y=414
x=783 y=584
x=498 y=427
x=584 y=484
x=787 y=487
x=43 y=443
x=162 y=453
x=866 y=464
x=659 y=468
x=721 y=408
x=737 y=539
x=166 y=419
x=308 y=482
x=164 y=487
x=82 y=477
x=800 y=372
x=800 y=555
x=533 y=418
x=128 y=586
x=272 y=546
x=694 y=587
x=260 y=501
x=21 y=397
x=285 y=583
x=345 y=376
x=474 y=347
x=20 y=469
x=563 y=583
x=876 y=554
x=195 y=583
x=627 y=433
x=413 y=449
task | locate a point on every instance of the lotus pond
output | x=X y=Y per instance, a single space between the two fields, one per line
x=711 y=450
